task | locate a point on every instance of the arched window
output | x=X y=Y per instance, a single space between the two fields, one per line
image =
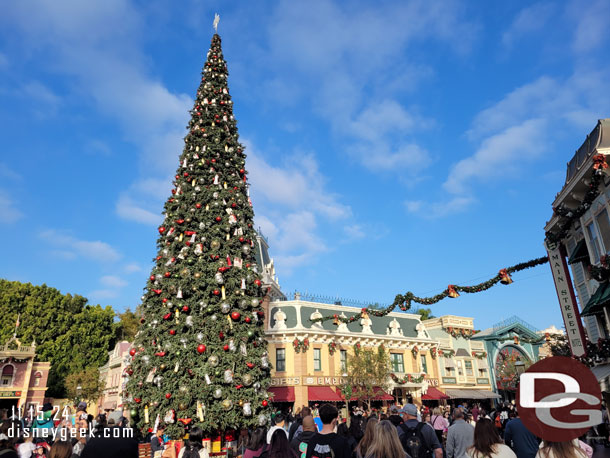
x=37 y=377
x=8 y=372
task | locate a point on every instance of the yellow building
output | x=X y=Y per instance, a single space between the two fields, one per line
x=309 y=359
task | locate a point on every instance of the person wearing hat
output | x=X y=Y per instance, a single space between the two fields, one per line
x=417 y=438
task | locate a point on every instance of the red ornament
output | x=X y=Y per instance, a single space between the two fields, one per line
x=197 y=205
x=257 y=282
x=250 y=365
x=160 y=353
x=167 y=316
x=152 y=278
x=218 y=219
x=260 y=313
x=172 y=332
x=236 y=316
x=225 y=348
x=264 y=403
x=164 y=300
x=142 y=320
x=238 y=387
x=248 y=320
x=161 y=230
x=185 y=308
x=157 y=291
x=179 y=221
x=132 y=352
x=216 y=292
x=129 y=372
x=167 y=274
x=242 y=171
x=241 y=239
x=200 y=348
x=221 y=335
x=186 y=174
x=137 y=400
x=168 y=395
x=234 y=205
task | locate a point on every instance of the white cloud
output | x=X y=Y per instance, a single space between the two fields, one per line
x=40 y=93
x=142 y=200
x=354 y=232
x=100 y=295
x=110 y=70
x=591 y=24
x=112 y=281
x=95 y=250
x=8 y=173
x=499 y=155
x=8 y=211
x=132 y=268
x=441 y=209
x=529 y=20
x=322 y=42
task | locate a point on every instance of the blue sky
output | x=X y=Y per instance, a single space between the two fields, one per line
x=394 y=146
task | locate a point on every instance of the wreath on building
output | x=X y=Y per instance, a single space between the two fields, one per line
x=300 y=345
x=414 y=351
x=479 y=354
x=332 y=348
x=433 y=352
x=447 y=353
x=410 y=378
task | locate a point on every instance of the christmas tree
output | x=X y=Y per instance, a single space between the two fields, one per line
x=199 y=357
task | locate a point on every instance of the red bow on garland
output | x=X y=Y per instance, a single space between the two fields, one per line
x=599 y=162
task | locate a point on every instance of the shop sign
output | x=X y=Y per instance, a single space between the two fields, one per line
x=10 y=394
x=432 y=381
x=285 y=381
x=483 y=381
x=450 y=380
x=330 y=381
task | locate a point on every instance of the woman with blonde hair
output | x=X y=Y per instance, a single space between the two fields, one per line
x=386 y=443
x=439 y=423
x=568 y=449
x=367 y=439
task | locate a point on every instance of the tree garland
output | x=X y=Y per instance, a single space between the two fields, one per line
x=300 y=345
x=433 y=352
x=408 y=379
x=447 y=354
x=13 y=360
x=404 y=301
x=460 y=332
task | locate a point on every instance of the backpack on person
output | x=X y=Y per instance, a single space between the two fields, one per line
x=498 y=422
x=414 y=442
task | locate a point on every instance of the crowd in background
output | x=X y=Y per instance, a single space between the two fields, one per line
x=409 y=431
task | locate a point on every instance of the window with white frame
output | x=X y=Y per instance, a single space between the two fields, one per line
x=280 y=359
x=594 y=241
x=317 y=359
x=8 y=372
x=398 y=363
x=343 y=354
x=603 y=224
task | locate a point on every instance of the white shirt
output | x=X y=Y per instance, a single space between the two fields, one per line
x=500 y=451
x=25 y=450
x=272 y=430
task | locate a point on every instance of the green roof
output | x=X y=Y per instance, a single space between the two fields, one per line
x=600 y=298
x=579 y=253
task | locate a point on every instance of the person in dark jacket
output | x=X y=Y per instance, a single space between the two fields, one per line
x=299 y=443
x=295 y=427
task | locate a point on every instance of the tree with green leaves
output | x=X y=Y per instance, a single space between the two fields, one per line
x=127 y=326
x=199 y=357
x=425 y=313
x=85 y=384
x=69 y=333
x=368 y=370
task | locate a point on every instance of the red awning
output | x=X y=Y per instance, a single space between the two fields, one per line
x=434 y=394
x=323 y=393
x=282 y=393
x=380 y=395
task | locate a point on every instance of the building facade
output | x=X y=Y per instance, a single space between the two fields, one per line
x=588 y=242
x=464 y=365
x=114 y=378
x=23 y=380
x=309 y=358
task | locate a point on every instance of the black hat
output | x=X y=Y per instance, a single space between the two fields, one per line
x=47 y=406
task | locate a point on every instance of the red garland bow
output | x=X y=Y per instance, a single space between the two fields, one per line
x=599 y=161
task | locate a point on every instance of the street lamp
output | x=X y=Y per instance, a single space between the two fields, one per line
x=520 y=367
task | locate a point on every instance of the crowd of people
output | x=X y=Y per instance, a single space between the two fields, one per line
x=408 y=431
x=72 y=433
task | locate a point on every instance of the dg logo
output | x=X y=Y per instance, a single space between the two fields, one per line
x=559 y=399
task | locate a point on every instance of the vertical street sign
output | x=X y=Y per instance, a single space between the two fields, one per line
x=567 y=299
